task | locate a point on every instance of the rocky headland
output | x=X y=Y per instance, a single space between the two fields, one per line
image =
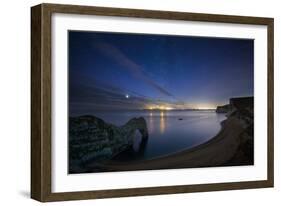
x=91 y=140
x=223 y=109
x=232 y=146
x=242 y=109
x=93 y=143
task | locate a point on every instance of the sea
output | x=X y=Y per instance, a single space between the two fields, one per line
x=169 y=131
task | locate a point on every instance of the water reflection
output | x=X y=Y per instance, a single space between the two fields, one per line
x=151 y=124
x=169 y=131
x=162 y=122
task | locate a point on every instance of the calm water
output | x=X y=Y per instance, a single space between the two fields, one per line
x=169 y=131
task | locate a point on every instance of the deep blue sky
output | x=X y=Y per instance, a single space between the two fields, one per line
x=136 y=71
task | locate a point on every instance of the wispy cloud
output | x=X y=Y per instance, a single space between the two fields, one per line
x=88 y=98
x=87 y=95
x=132 y=67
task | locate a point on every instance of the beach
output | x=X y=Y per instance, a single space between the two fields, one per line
x=216 y=152
x=96 y=146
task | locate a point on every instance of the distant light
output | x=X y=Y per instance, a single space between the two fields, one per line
x=206 y=107
x=127 y=96
x=160 y=107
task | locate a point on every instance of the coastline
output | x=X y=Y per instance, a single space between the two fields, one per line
x=218 y=151
x=232 y=146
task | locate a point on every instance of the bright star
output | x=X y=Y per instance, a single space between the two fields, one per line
x=127 y=96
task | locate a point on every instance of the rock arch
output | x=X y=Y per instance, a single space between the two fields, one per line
x=136 y=124
x=93 y=140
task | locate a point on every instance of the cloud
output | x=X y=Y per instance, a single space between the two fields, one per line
x=88 y=95
x=133 y=68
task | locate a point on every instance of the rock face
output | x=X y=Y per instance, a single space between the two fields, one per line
x=243 y=109
x=238 y=103
x=91 y=140
x=223 y=109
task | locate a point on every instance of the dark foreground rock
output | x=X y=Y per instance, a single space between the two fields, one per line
x=93 y=141
x=242 y=109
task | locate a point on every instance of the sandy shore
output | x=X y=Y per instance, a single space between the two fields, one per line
x=216 y=152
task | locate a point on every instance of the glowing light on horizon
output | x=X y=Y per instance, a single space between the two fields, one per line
x=207 y=106
x=127 y=96
x=160 y=108
x=167 y=107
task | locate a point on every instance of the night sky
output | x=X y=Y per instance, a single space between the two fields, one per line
x=116 y=71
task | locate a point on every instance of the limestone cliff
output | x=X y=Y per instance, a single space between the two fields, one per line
x=242 y=109
x=223 y=109
x=93 y=140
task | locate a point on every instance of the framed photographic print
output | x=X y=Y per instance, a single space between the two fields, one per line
x=132 y=102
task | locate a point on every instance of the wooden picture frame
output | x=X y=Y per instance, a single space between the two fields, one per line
x=41 y=173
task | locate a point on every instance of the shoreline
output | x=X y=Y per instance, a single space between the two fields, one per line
x=189 y=149
x=95 y=142
x=217 y=151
